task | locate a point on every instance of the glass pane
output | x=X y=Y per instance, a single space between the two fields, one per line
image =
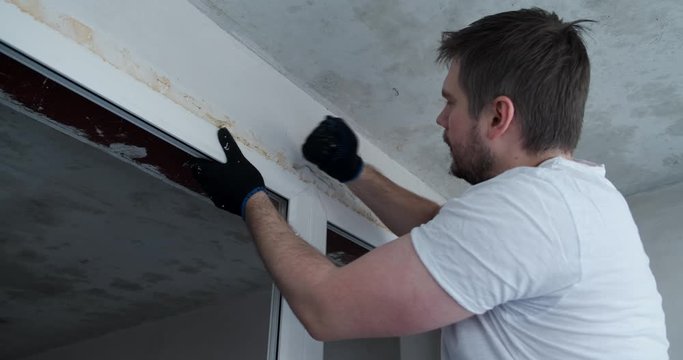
x=342 y=248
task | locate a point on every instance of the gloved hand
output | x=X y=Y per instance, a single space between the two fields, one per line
x=228 y=185
x=332 y=146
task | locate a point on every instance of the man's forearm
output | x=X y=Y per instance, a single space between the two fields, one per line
x=296 y=267
x=399 y=209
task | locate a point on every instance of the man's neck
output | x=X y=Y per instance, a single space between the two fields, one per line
x=539 y=159
x=530 y=160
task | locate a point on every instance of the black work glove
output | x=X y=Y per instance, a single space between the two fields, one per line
x=228 y=185
x=332 y=146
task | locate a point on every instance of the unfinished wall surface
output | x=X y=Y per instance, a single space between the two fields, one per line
x=659 y=216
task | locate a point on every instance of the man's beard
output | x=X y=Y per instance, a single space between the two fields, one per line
x=471 y=162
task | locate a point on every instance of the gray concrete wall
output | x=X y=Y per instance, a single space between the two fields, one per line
x=659 y=215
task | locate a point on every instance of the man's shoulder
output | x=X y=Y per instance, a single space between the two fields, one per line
x=514 y=182
x=556 y=175
x=517 y=194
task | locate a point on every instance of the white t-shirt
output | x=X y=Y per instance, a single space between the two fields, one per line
x=550 y=260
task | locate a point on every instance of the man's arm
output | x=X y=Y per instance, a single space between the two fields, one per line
x=387 y=292
x=398 y=208
x=333 y=147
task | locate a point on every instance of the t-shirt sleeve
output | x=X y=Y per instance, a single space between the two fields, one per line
x=500 y=241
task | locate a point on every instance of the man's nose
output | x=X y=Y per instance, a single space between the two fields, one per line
x=441 y=119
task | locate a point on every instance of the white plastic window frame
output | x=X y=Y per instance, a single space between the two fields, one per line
x=309 y=214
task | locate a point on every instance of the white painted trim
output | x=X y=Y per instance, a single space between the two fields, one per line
x=307 y=218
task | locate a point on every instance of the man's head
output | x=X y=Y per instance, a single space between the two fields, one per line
x=517 y=81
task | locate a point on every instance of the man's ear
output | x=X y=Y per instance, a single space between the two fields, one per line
x=501 y=115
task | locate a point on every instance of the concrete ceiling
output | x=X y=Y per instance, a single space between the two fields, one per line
x=373 y=61
x=90 y=244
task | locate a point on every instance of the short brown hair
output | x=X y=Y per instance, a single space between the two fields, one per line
x=537 y=60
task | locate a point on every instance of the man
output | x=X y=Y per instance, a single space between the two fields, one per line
x=539 y=259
